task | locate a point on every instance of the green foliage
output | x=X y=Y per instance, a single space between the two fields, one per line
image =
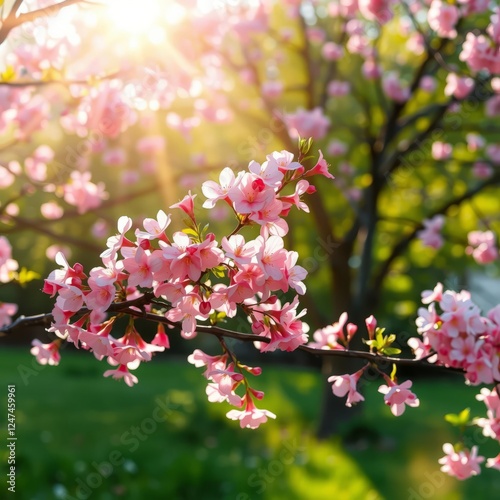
x=382 y=343
x=196 y=453
x=459 y=420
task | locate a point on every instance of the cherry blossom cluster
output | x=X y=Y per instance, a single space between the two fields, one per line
x=337 y=337
x=224 y=379
x=189 y=277
x=482 y=244
x=455 y=334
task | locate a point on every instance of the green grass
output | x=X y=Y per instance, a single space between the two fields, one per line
x=163 y=440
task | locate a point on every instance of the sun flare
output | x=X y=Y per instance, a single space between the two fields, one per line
x=142 y=17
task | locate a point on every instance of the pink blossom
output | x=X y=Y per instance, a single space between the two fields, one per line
x=238 y=250
x=7 y=264
x=150 y=145
x=51 y=210
x=214 y=192
x=494 y=27
x=187 y=205
x=474 y=142
x=442 y=18
x=331 y=336
x=82 y=193
x=416 y=43
x=269 y=172
x=154 y=228
x=271 y=256
x=338 y=88
x=457 y=86
x=371 y=70
x=272 y=89
x=474 y=6
x=316 y=34
x=359 y=44
x=494 y=462
x=462 y=464
x=184 y=257
x=376 y=10
x=100 y=342
x=346 y=384
x=394 y=88
x=7 y=178
x=480 y=54
x=7 y=310
x=332 y=51
x=428 y=83
x=434 y=295
x=482 y=246
x=100 y=297
x=186 y=312
x=36 y=165
x=284 y=160
x=371 y=326
x=250 y=194
x=46 y=354
x=302 y=187
x=304 y=123
x=122 y=372
x=336 y=148
x=441 y=150
x=430 y=235
x=114 y=157
x=397 y=396
x=321 y=168
x=251 y=417
x=493 y=106
x=493 y=153
x=427 y=318
x=294 y=274
x=70 y=298
x=161 y=338
x=482 y=170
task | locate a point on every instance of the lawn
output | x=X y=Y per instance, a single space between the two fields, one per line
x=82 y=436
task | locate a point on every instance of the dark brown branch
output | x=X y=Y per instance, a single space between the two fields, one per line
x=126 y=308
x=376 y=358
x=12 y=21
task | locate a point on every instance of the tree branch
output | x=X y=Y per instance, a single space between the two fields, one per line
x=400 y=247
x=126 y=307
x=12 y=21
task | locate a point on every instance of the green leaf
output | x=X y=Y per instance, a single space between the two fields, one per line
x=390 y=351
x=459 y=420
x=219 y=271
x=190 y=232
